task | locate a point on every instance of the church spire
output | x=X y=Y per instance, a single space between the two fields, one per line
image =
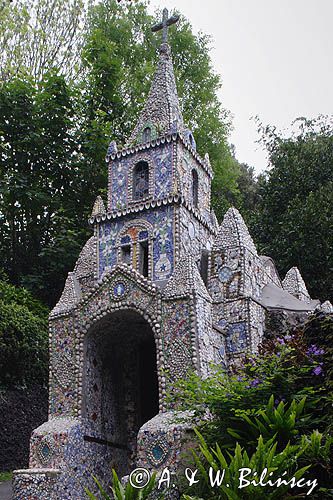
x=161 y=113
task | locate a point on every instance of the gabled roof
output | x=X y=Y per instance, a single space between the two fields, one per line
x=233 y=232
x=86 y=263
x=70 y=296
x=294 y=284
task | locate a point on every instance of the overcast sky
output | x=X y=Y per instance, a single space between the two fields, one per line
x=274 y=57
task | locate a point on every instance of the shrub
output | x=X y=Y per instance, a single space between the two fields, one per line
x=229 y=467
x=23 y=338
x=291 y=367
x=121 y=492
x=282 y=396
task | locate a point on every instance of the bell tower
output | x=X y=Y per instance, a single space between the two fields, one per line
x=158 y=207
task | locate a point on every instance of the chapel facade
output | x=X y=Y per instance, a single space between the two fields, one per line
x=159 y=290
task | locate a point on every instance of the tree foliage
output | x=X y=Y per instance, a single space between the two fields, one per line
x=294 y=218
x=39 y=35
x=40 y=183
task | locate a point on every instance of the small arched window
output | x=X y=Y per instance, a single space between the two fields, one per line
x=140 y=180
x=195 y=187
x=146 y=136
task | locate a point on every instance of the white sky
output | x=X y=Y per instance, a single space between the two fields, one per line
x=274 y=57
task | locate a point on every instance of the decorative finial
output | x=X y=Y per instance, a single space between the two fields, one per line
x=98 y=208
x=166 y=22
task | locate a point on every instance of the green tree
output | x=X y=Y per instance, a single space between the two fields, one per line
x=37 y=35
x=294 y=219
x=39 y=184
x=248 y=188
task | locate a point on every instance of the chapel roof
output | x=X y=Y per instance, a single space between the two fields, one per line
x=294 y=284
x=233 y=232
x=162 y=109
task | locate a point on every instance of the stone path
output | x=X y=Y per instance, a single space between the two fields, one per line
x=6 y=490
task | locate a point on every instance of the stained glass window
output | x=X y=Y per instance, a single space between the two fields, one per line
x=141 y=180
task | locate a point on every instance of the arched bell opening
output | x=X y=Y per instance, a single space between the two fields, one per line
x=120 y=384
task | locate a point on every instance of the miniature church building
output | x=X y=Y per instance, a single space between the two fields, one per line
x=158 y=290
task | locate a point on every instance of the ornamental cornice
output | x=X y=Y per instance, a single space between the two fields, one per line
x=139 y=207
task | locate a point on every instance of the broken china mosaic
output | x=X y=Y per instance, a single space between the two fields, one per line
x=159 y=224
x=160 y=179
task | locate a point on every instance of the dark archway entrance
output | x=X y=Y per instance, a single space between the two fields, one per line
x=120 y=385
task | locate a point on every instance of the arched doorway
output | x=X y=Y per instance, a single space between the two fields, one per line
x=120 y=384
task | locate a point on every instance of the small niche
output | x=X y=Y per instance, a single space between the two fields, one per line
x=126 y=254
x=143 y=258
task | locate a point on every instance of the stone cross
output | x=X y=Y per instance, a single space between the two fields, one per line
x=166 y=22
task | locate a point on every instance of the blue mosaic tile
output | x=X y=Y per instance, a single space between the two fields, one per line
x=225 y=274
x=119 y=289
x=125 y=239
x=162 y=221
x=157 y=452
x=236 y=337
x=143 y=235
x=45 y=451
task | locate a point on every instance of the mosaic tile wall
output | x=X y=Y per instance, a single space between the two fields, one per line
x=62 y=463
x=242 y=323
x=160 y=226
x=237 y=275
x=210 y=342
x=63 y=361
x=257 y=324
x=162 y=442
x=238 y=271
x=186 y=163
x=160 y=161
x=177 y=339
x=194 y=236
x=226 y=274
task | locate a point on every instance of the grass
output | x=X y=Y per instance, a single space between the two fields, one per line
x=5 y=476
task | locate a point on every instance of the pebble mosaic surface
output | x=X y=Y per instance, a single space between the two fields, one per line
x=158 y=290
